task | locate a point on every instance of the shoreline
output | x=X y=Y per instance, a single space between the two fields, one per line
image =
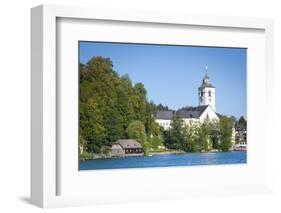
x=158 y=153
x=166 y=153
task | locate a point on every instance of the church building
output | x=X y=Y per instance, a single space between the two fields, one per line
x=197 y=114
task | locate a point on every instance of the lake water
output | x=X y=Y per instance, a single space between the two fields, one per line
x=166 y=160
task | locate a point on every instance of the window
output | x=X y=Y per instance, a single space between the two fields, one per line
x=210 y=95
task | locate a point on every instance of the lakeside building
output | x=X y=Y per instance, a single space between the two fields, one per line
x=240 y=139
x=126 y=147
x=206 y=108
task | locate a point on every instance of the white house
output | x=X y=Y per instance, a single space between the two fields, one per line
x=164 y=118
x=206 y=108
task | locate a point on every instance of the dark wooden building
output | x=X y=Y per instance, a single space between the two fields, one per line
x=126 y=147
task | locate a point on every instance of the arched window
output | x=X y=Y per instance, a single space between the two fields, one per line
x=210 y=93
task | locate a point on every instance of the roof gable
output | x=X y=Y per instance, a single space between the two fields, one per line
x=164 y=114
x=186 y=112
x=191 y=112
x=209 y=112
x=128 y=143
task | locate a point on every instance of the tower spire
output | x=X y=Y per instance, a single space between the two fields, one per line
x=207 y=92
x=206 y=70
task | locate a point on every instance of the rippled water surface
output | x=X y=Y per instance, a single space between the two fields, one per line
x=165 y=160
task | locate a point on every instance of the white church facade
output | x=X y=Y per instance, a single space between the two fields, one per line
x=206 y=107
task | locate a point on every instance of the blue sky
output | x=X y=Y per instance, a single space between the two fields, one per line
x=172 y=74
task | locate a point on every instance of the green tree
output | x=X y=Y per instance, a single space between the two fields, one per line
x=192 y=137
x=151 y=127
x=242 y=123
x=138 y=102
x=92 y=131
x=233 y=119
x=155 y=136
x=162 y=107
x=225 y=133
x=174 y=137
x=215 y=134
x=136 y=131
x=204 y=135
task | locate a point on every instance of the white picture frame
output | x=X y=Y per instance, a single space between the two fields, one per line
x=45 y=168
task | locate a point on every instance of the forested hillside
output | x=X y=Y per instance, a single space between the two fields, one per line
x=108 y=104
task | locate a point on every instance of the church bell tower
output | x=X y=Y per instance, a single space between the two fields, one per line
x=207 y=92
